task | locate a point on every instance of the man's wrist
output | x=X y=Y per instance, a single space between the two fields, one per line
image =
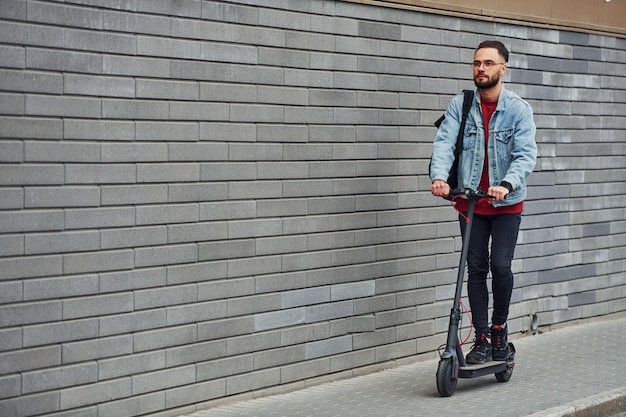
x=507 y=185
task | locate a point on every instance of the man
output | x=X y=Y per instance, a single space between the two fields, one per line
x=499 y=153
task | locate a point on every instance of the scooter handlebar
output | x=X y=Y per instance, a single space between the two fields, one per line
x=468 y=193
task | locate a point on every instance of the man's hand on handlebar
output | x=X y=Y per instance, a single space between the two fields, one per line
x=440 y=188
x=498 y=192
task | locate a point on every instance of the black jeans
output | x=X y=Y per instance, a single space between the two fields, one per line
x=503 y=230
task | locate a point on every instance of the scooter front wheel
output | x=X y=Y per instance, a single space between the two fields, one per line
x=446 y=377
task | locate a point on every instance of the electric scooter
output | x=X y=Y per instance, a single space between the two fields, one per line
x=452 y=365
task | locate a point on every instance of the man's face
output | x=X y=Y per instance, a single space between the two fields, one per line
x=488 y=67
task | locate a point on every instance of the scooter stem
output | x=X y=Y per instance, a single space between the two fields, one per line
x=452 y=344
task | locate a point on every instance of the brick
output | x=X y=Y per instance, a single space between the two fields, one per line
x=29 y=81
x=195 y=353
x=131 y=364
x=29 y=359
x=283 y=318
x=132 y=322
x=98 y=305
x=133 y=237
x=167 y=337
x=276 y=357
x=228 y=92
x=26 y=174
x=97 y=174
x=50 y=197
x=135 y=109
x=129 y=280
x=226 y=249
x=218 y=171
x=106 y=130
x=257 y=113
x=278 y=133
x=226 y=289
x=288 y=244
x=328 y=347
x=197 y=232
x=11 y=104
x=30 y=267
x=168 y=172
x=255 y=152
x=66 y=15
x=95 y=393
x=13 y=57
x=10 y=292
x=160 y=380
x=197 y=152
x=166 y=255
x=255 y=304
x=197 y=192
x=135 y=66
x=30 y=405
x=93 y=85
x=225 y=327
x=195 y=393
x=133 y=194
x=352 y=290
x=61 y=242
x=134 y=152
x=45 y=334
x=56 y=378
x=98 y=261
x=166 y=296
x=167 y=47
x=287 y=170
x=173 y=90
x=135 y=23
x=257 y=380
x=61 y=152
x=11 y=198
x=165 y=214
x=90 y=218
x=30 y=128
x=10 y=386
x=133 y=406
x=97 y=349
x=62 y=106
x=244 y=54
x=197 y=272
x=27 y=313
x=220 y=368
x=329 y=311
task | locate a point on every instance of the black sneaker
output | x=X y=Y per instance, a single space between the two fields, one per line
x=500 y=343
x=481 y=351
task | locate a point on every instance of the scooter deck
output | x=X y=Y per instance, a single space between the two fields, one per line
x=491 y=367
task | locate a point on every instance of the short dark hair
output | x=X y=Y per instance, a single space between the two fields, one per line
x=497 y=45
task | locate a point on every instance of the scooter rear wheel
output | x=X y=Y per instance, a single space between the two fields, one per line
x=446 y=377
x=505 y=375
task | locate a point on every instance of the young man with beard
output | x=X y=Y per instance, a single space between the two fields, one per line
x=499 y=153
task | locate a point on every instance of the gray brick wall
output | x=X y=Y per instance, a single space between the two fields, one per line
x=207 y=198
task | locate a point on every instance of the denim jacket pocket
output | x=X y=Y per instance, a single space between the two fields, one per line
x=503 y=143
x=469 y=137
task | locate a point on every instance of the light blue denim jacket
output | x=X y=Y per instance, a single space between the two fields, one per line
x=511 y=149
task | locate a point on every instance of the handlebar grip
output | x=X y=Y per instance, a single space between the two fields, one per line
x=469 y=193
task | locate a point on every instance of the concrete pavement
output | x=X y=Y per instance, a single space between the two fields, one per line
x=578 y=370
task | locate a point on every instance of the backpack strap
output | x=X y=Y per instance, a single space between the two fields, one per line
x=468 y=97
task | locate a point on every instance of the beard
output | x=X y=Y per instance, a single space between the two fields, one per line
x=488 y=83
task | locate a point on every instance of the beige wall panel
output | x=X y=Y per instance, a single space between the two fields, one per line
x=586 y=15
